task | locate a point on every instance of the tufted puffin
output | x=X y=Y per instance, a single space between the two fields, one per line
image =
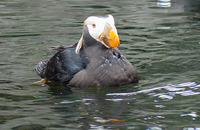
x=94 y=61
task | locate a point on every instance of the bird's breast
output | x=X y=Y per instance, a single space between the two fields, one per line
x=109 y=70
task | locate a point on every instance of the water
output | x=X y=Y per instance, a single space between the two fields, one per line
x=160 y=38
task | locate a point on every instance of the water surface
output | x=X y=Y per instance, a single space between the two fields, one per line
x=160 y=38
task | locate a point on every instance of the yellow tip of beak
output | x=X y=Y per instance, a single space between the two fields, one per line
x=113 y=40
x=109 y=37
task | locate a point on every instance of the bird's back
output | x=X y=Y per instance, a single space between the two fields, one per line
x=62 y=66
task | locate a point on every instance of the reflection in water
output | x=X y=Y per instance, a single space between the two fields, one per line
x=59 y=89
x=183 y=89
x=192 y=114
x=104 y=109
x=164 y=3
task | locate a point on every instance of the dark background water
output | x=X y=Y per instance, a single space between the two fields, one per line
x=160 y=38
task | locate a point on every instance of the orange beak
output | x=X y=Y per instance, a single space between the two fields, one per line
x=109 y=37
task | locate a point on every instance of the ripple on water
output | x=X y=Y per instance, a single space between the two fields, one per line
x=183 y=89
x=75 y=101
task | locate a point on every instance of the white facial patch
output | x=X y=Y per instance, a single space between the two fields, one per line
x=96 y=25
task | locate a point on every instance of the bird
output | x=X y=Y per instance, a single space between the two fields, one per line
x=94 y=61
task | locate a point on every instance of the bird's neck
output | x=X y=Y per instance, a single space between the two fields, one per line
x=93 y=48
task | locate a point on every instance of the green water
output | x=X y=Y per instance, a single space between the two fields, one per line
x=160 y=38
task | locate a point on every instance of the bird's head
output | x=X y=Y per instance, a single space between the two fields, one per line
x=102 y=29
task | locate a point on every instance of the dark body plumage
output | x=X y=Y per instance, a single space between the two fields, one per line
x=62 y=66
x=94 y=65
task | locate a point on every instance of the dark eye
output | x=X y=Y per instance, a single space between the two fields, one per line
x=94 y=25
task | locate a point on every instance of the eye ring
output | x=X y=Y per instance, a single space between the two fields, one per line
x=94 y=25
